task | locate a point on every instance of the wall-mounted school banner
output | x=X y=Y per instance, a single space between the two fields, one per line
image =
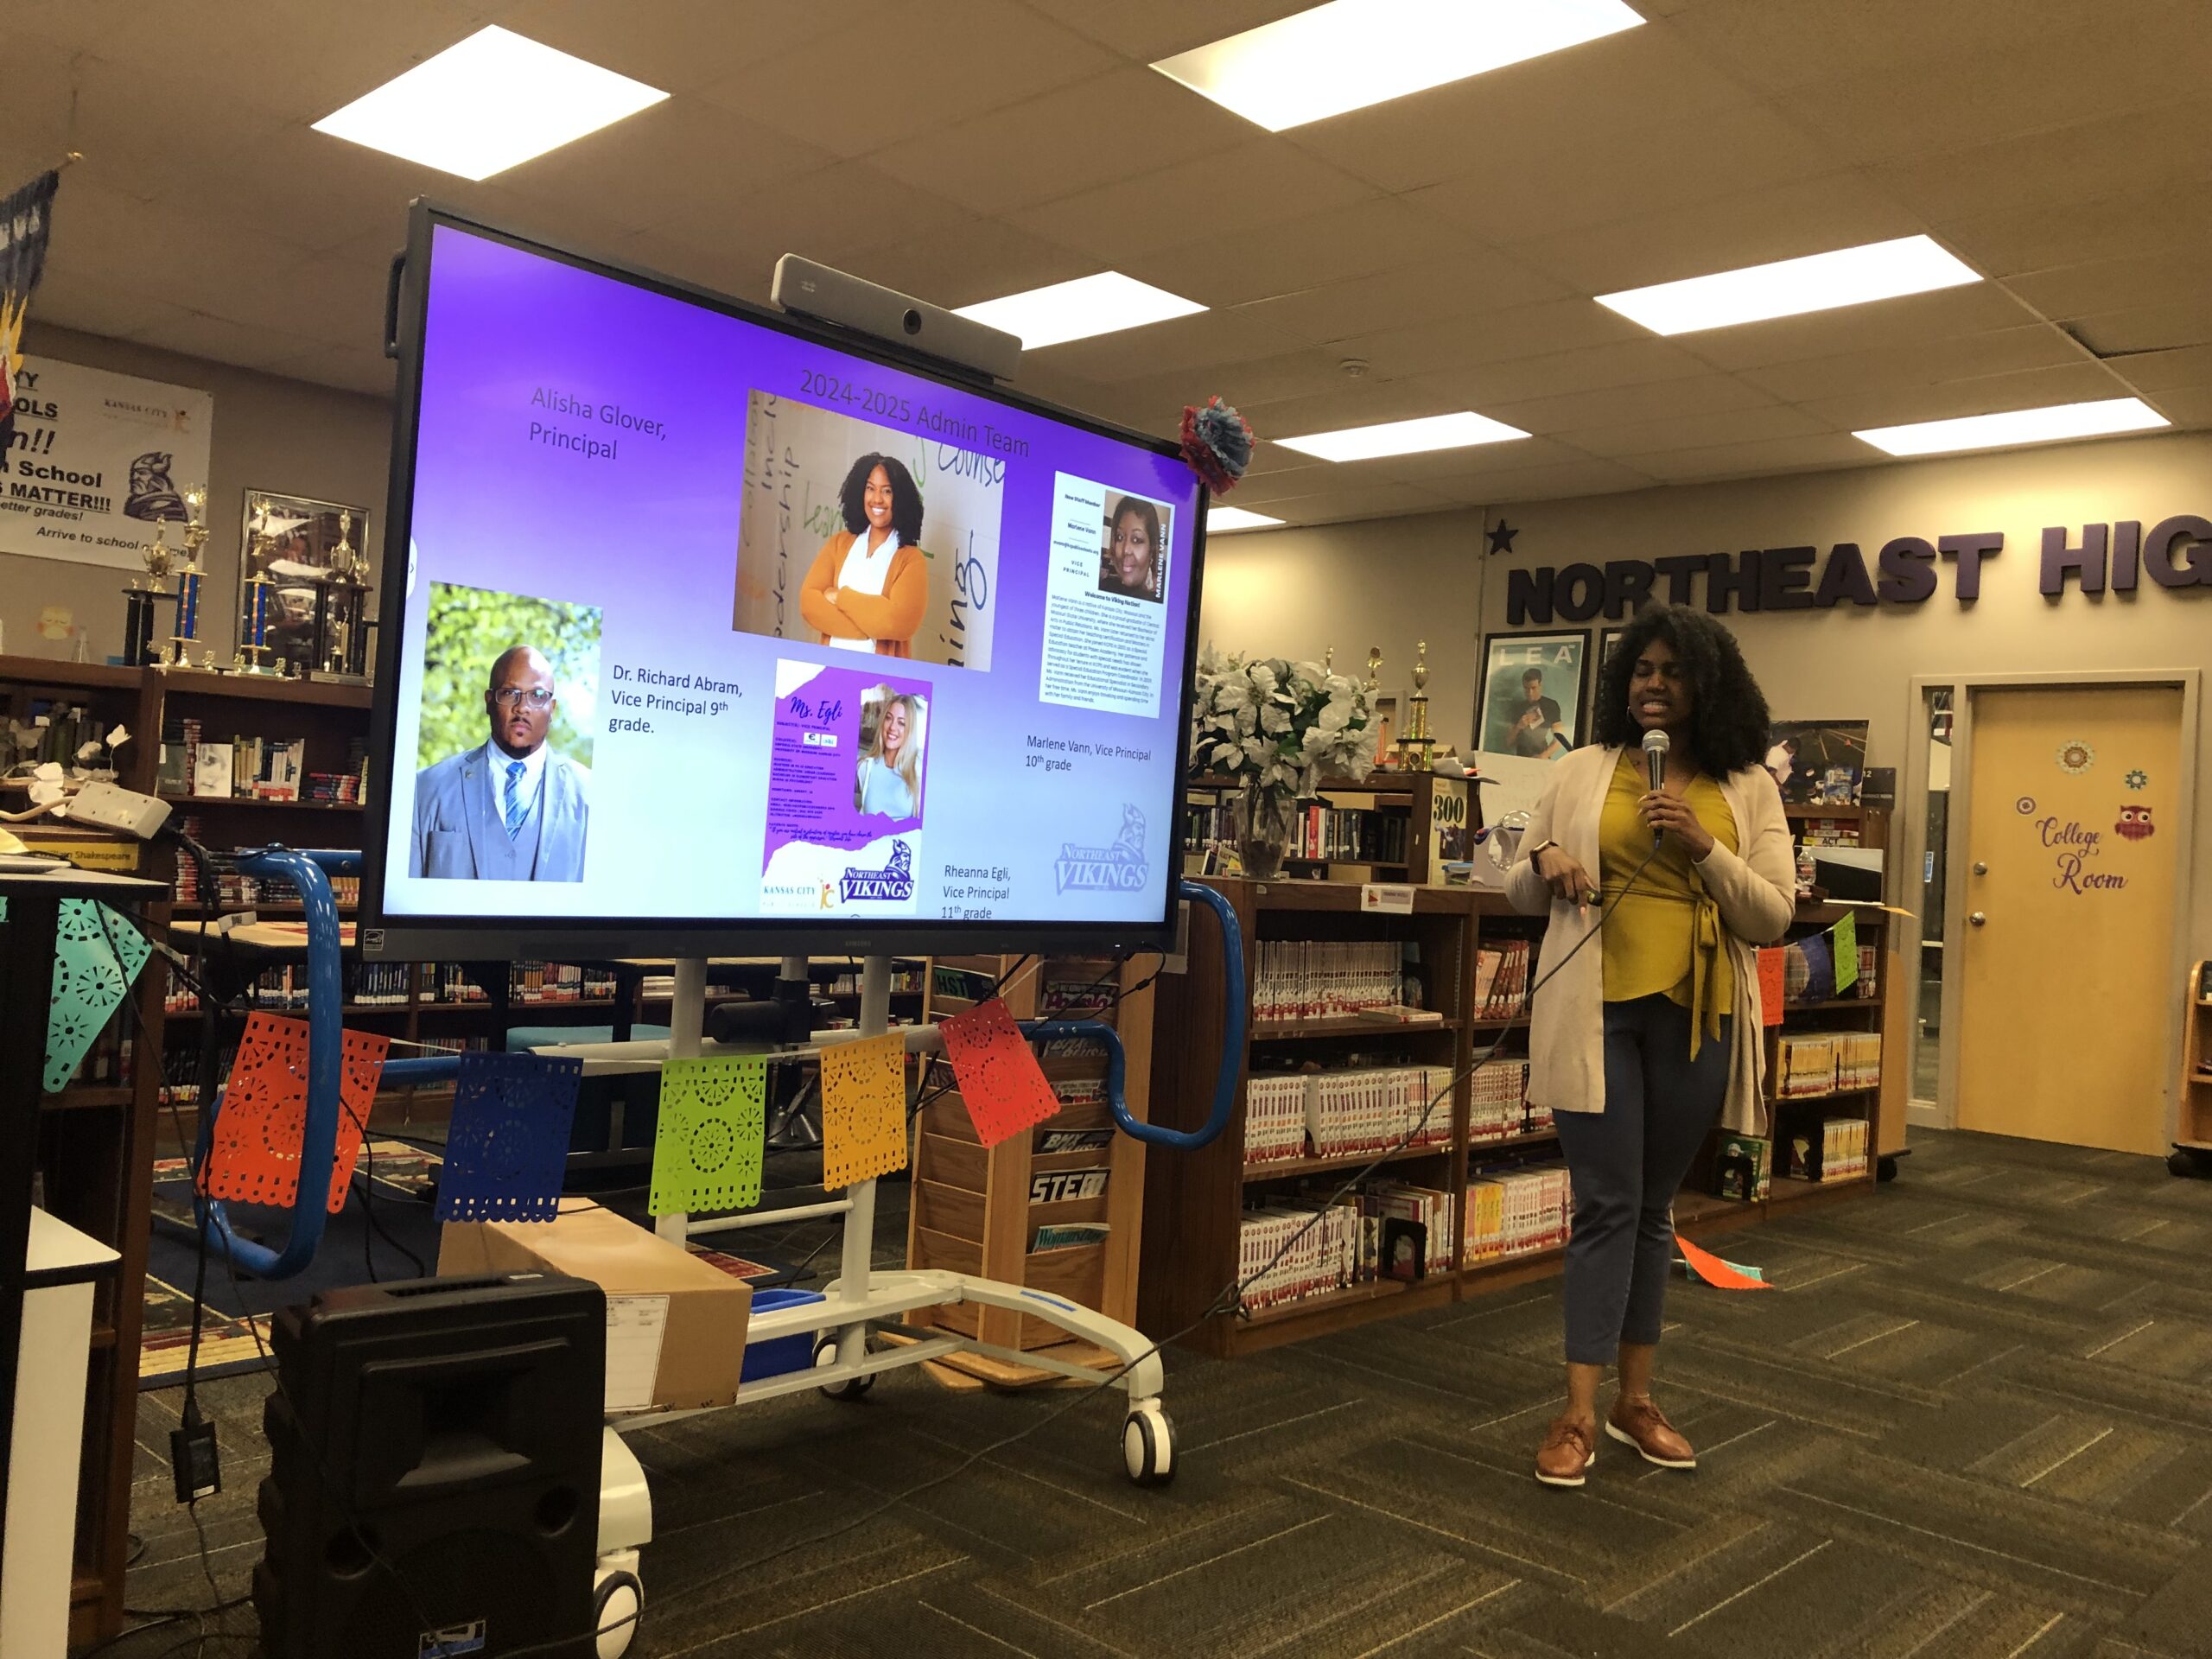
x=97 y=461
x=2175 y=553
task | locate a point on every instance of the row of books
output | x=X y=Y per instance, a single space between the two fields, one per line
x=1321 y=979
x=1502 y=979
x=1517 y=1212
x=1499 y=1106
x=1327 y=832
x=1838 y=1150
x=333 y=788
x=1809 y=971
x=557 y=982
x=1333 y=1114
x=1295 y=1247
x=902 y=980
x=1809 y=1065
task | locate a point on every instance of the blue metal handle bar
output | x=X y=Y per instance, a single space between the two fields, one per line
x=1232 y=1041
x=319 y=1138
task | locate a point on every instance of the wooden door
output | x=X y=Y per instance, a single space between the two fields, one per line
x=2069 y=887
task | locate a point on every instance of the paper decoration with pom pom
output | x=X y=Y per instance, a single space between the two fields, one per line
x=707 y=1153
x=1000 y=1083
x=507 y=1142
x=97 y=955
x=1217 y=443
x=255 y=1155
x=863 y=1109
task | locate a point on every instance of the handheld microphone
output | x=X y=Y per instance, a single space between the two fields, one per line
x=1656 y=745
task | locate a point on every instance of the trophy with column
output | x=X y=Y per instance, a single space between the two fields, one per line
x=1415 y=747
x=142 y=594
x=341 y=604
x=184 y=632
x=256 y=594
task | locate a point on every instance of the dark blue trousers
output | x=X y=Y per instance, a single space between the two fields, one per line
x=1627 y=1163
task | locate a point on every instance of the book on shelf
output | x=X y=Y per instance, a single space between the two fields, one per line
x=1070 y=1236
x=1328 y=1242
x=1835 y=1149
x=1743 y=1168
x=1347 y=1112
x=1068 y=1186
x=1810 y=1065
x=1518 y=1211
x=1498 y=1102
x=1327 y=979
x=1502 y=979
x=211 y=769
x=1081 y=988
x=1049 y=1141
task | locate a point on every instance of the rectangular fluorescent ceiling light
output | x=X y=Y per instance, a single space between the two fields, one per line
x=2053 y=424
x=1220 y=519
x=493 y=101
x=1104 y=304
x=1788 y=288
x=1350 y=54
x=1405 y=437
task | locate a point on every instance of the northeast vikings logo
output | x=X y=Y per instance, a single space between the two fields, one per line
x=895 y=881
x=1118 y=868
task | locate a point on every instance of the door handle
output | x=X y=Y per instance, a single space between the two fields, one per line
x=1980 y=869
x=1979 y=920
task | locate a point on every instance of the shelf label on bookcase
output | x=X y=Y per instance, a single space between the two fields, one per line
x=1387 y=897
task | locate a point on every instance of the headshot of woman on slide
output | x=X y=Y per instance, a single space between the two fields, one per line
x=869 y=585
x=890 y=774
x=1646 y=1037
x=1132 y=547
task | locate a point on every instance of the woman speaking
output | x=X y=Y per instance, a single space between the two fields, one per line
x=869 y=585
x=1640 y=1042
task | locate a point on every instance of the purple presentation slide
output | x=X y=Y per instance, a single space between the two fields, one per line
x=703 y=620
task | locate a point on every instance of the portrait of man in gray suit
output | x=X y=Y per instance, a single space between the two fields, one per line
x=512 y=809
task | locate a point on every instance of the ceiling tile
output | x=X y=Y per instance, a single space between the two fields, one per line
x=246 y=345
x=2131 y=148
x=192 y=259
x=349 y=368
x=2147 y=328
x=1638 y=78
x=1524 y=331
x=1313 y=249
x=1729 y=426
x=1599 y=174
x=2084 y=289
x=937 y=63
x=2035 y=345
x=1780 y=47
x=1128 y=122
x=1148 y=30
x=677 y=45
x=1971 y=309
x=1200 y=341
x=2187 y=406
x=1989 y=394
x=1183 y=203
x=1558 y=482
x=1657 y=400
x=2037 y=238
x=842 y=210
x=977 y=259
x=1475 y=460
x=2157 y=372
x=1840 y=210
x=1346 y=502
x=1770 y=455
x=1436 y=289
x=1626 y=363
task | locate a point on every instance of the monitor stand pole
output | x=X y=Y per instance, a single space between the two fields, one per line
x=687 y=1023
x=859 y=1242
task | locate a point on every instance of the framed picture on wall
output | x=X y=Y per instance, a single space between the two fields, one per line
x=293 y=541
x=1533 y=699
x=1818 y=762
x=1607 y=640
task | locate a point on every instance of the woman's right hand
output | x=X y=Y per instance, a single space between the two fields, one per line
x=1564 y=875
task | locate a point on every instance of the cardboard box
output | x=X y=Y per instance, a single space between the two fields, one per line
x=675 y=1325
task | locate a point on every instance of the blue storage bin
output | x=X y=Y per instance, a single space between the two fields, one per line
x=793 y=1353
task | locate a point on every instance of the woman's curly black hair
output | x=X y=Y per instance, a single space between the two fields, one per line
x=906 y=499
x=1728 y=718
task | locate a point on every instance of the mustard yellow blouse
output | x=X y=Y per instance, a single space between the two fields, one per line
x=1664 y=938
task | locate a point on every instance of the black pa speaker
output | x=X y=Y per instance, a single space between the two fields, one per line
x=433 y=1486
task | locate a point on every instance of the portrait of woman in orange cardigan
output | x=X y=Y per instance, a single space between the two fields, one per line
x=870 y=584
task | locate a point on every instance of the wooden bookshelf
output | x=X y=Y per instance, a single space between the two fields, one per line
x=1429 y=813
x=1195 y=1199
x=971 y=1210
x=2193 y=1130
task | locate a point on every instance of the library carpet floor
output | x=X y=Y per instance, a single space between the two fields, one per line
x=1974 y=1423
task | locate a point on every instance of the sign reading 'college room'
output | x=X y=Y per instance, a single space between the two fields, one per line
x=2176 y=554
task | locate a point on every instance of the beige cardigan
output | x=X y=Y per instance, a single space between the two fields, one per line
x=1755 y=890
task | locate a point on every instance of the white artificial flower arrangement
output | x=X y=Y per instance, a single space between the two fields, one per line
x=1274 y=725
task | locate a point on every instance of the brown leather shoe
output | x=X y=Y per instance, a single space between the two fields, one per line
x=1641 y=1424
x=1568 y=1449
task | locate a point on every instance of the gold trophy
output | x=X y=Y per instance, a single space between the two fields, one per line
x=341 y=612
x=256 y=594
x=140 y=596
x=1415 y=747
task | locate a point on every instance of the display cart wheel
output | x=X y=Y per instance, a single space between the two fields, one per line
x=1148 y=1445
x=1885 y=1169
x=2186 y=1161
x=853 y=1388
x=617 y=1606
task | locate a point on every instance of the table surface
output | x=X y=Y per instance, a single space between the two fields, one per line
x=67 y=883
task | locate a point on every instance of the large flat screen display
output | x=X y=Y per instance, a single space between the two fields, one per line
x=697 y=622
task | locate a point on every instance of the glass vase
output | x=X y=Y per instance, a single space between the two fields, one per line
x=1264 y=815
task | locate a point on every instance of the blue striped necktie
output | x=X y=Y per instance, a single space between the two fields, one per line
x=517 y=810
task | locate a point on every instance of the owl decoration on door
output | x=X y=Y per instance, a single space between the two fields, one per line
x=2134 y=823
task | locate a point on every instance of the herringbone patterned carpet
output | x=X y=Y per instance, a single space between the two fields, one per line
x=1975 y=1420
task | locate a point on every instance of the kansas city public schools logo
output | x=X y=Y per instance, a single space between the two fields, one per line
x=895 y=881
x=1118 y=868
